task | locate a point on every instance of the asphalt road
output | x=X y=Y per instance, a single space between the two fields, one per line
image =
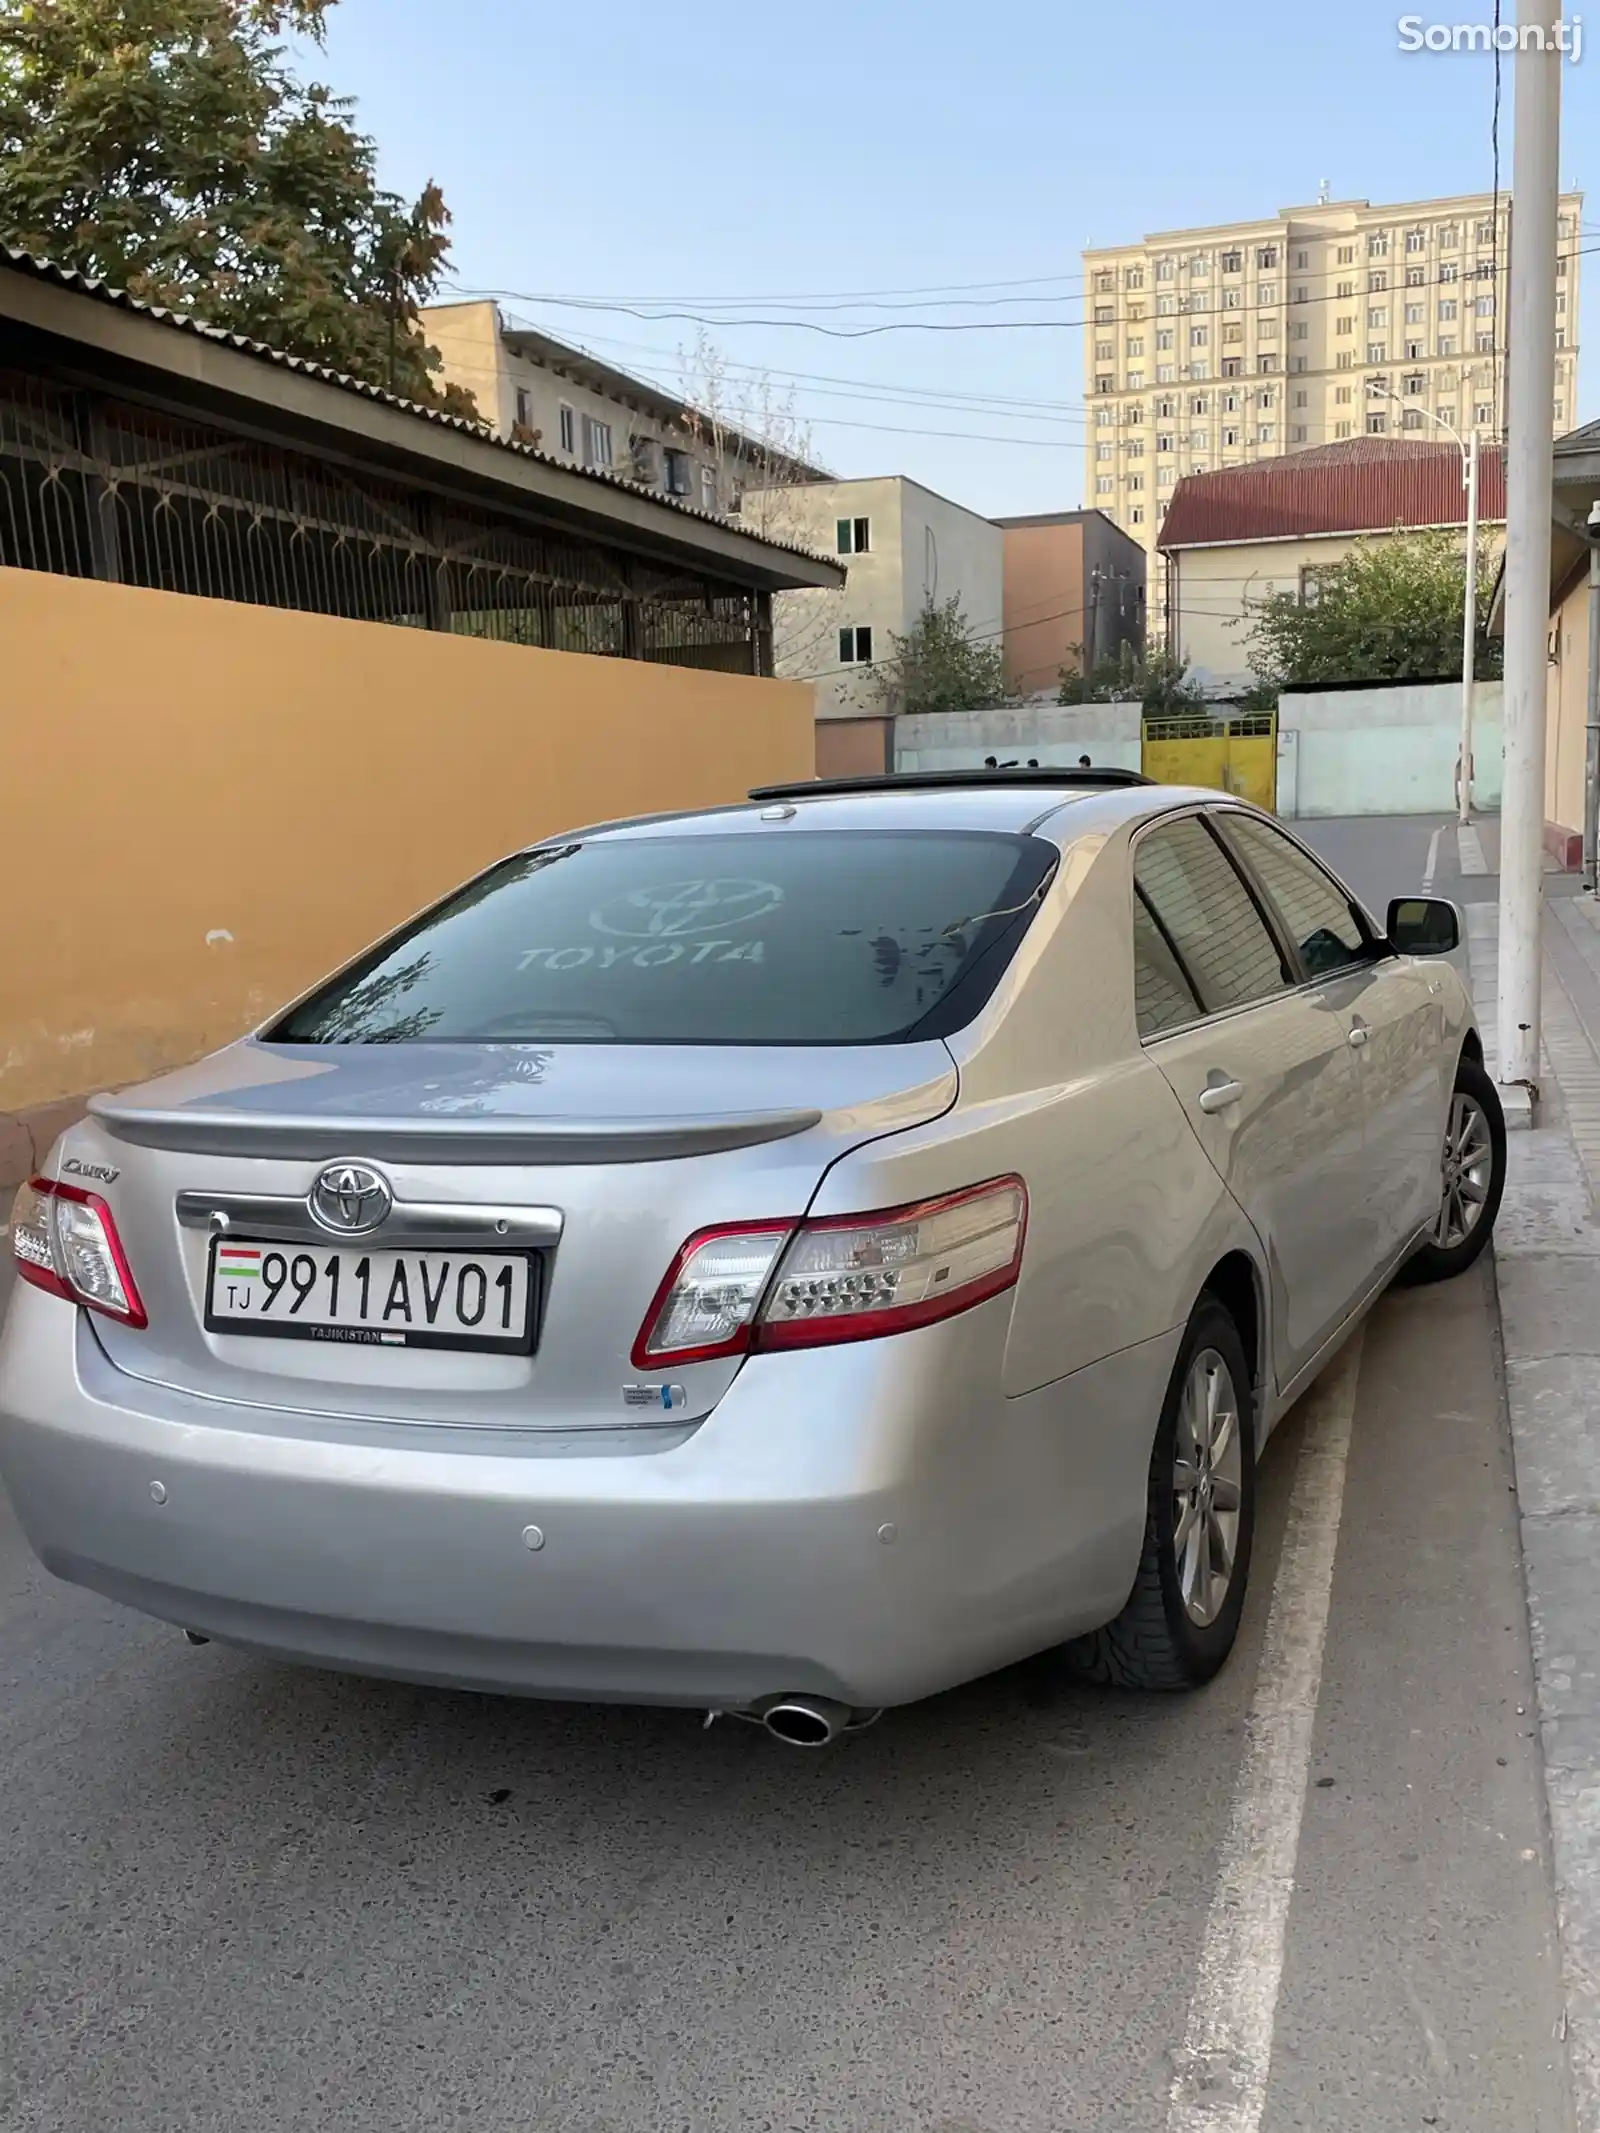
x=250 y=1900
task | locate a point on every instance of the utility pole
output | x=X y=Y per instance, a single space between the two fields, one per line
x=1469 y=629
x=1531 y=374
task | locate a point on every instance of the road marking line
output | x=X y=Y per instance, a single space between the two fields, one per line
x=1470 y=846
x=1433 y=857
x=1221 y=2082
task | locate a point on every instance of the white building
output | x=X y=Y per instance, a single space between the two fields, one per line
x=569 y=405
x=905 y=550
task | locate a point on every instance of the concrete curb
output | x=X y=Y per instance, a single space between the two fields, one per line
x=1547 y=1266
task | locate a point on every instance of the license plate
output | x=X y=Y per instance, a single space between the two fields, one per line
x=373 y=1299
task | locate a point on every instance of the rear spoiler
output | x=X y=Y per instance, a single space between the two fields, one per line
x=463 y=1140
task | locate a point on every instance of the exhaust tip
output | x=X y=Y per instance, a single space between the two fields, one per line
x=806 y=1721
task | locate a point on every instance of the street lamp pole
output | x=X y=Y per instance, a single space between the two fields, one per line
x=1468 y=448
x=1469 y=628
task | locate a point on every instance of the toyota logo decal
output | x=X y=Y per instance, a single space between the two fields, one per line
x=350 y=1199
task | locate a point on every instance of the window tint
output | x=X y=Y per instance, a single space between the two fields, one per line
x=1315 y=913
x=798 y=937
x=1162 y=996
x=1207 y=914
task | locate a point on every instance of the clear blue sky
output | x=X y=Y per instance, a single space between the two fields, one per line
x=752 y=151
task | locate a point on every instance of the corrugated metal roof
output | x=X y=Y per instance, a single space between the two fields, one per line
x=1364 y=486
x=184 y=322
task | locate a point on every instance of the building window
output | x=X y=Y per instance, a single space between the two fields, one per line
x=1165 y=306
x=1343 y=326
x=1230 y=403
x=1486 y=233
x=1484 y=343
x=1198 y=336
x=596 y=442
x=1413 y=314
x=1163 y=338
x=1416 y=351
x=1105 y=279
x=1302 y=332
x=1345 y=359
x=1232 y=366
x=1449 y=271
x=854 y=535
x=1447 y=414
x=1341 y=429
x=1134 y=447
x=1412 y=419
x=1302 y=399
x=1378 y=245
x=1377 y=352
x=1302 y=294
x=1416 y=277
x=1266 y=362
x=674 y=470
x=524 y=408
x=855 y=647
x=1299 y=363
x=1134 y=278
x=1103 y=351
x=1199 y=404
x=1103 y=385
x=1135 y=481
x=1135 y=381
x=1166 y=269
x=1266 y=292
x=1302 y=259
x=1378 y=282
x=1266 y=397
x=1297 y=434
x=1376 y=425
x=1449 y=236
x=1234 y=333
x=1230 y=434
x=1342 y=395
x=1104 y=417
x=1482 y=413
x=1165 y=373
x=1447 y=344
x=1232 y=299
x=1414 y=384
x=1346 y=255
x=1378 y=315
x=1164 y=442
x=1345 y=288
x=1104 y=314
x=568 y=423
x=1136 y=515
x=1267 y=325
x=1561 y=336
x=1416 y=240
x=1447 y=307
x=1104 y=485
x=1265 y=432
x=1232 y=262
x=1199 y=266
x=1101 y=451
x=1136 y=348
x=642 y=459
x=1267 y=255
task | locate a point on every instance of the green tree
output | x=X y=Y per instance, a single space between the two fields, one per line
x=1389 y=610
x=1156 y=680
x=942 y=664
x=166 y=147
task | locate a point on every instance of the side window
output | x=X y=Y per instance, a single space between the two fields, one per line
x=1208 y=915
x=1316 y=913
x=1162 y=996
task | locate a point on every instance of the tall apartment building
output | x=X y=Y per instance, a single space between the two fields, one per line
x=1209 y=348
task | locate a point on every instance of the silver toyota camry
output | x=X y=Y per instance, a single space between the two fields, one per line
x=784 y=1260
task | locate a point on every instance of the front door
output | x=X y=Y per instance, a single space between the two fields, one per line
x=1265 y=1071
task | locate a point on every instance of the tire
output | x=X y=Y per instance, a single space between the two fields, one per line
x=1161 y=1640
x=1473 y=1189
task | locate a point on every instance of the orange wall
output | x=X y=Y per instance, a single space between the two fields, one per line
x=211 y=805
x=1043 y=604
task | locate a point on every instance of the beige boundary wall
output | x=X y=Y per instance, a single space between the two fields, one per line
x=207 y=805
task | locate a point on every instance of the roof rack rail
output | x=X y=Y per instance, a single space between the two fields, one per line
x=949 y=780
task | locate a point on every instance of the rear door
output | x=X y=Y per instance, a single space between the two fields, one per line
x=1264 y=1070
x=1394 y=1019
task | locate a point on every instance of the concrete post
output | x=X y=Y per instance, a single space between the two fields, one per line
x=1531 y=344
x=1469 y=629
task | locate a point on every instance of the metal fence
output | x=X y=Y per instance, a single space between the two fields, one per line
x=91 y=486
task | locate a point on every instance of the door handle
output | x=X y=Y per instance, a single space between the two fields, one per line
x=1217 y=1095
x=1358 y=1036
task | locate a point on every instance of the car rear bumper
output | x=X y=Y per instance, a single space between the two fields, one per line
x=871 y=1523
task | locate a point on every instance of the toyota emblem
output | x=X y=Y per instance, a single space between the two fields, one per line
x=350 y=1198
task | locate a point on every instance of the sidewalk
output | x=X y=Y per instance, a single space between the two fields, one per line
x=1547 y=1258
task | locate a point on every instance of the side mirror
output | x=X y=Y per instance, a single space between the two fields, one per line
x=1424 y=925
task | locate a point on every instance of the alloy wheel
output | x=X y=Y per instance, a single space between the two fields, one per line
x=1207 y=1487
x=1468 y=1172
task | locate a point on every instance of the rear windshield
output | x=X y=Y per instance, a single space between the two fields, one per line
x=788 y=937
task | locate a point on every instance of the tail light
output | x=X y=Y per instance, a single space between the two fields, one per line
x=764 y=1285
x=66 y=1243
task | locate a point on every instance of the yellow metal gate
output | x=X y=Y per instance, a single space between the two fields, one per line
x=1233 y=755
